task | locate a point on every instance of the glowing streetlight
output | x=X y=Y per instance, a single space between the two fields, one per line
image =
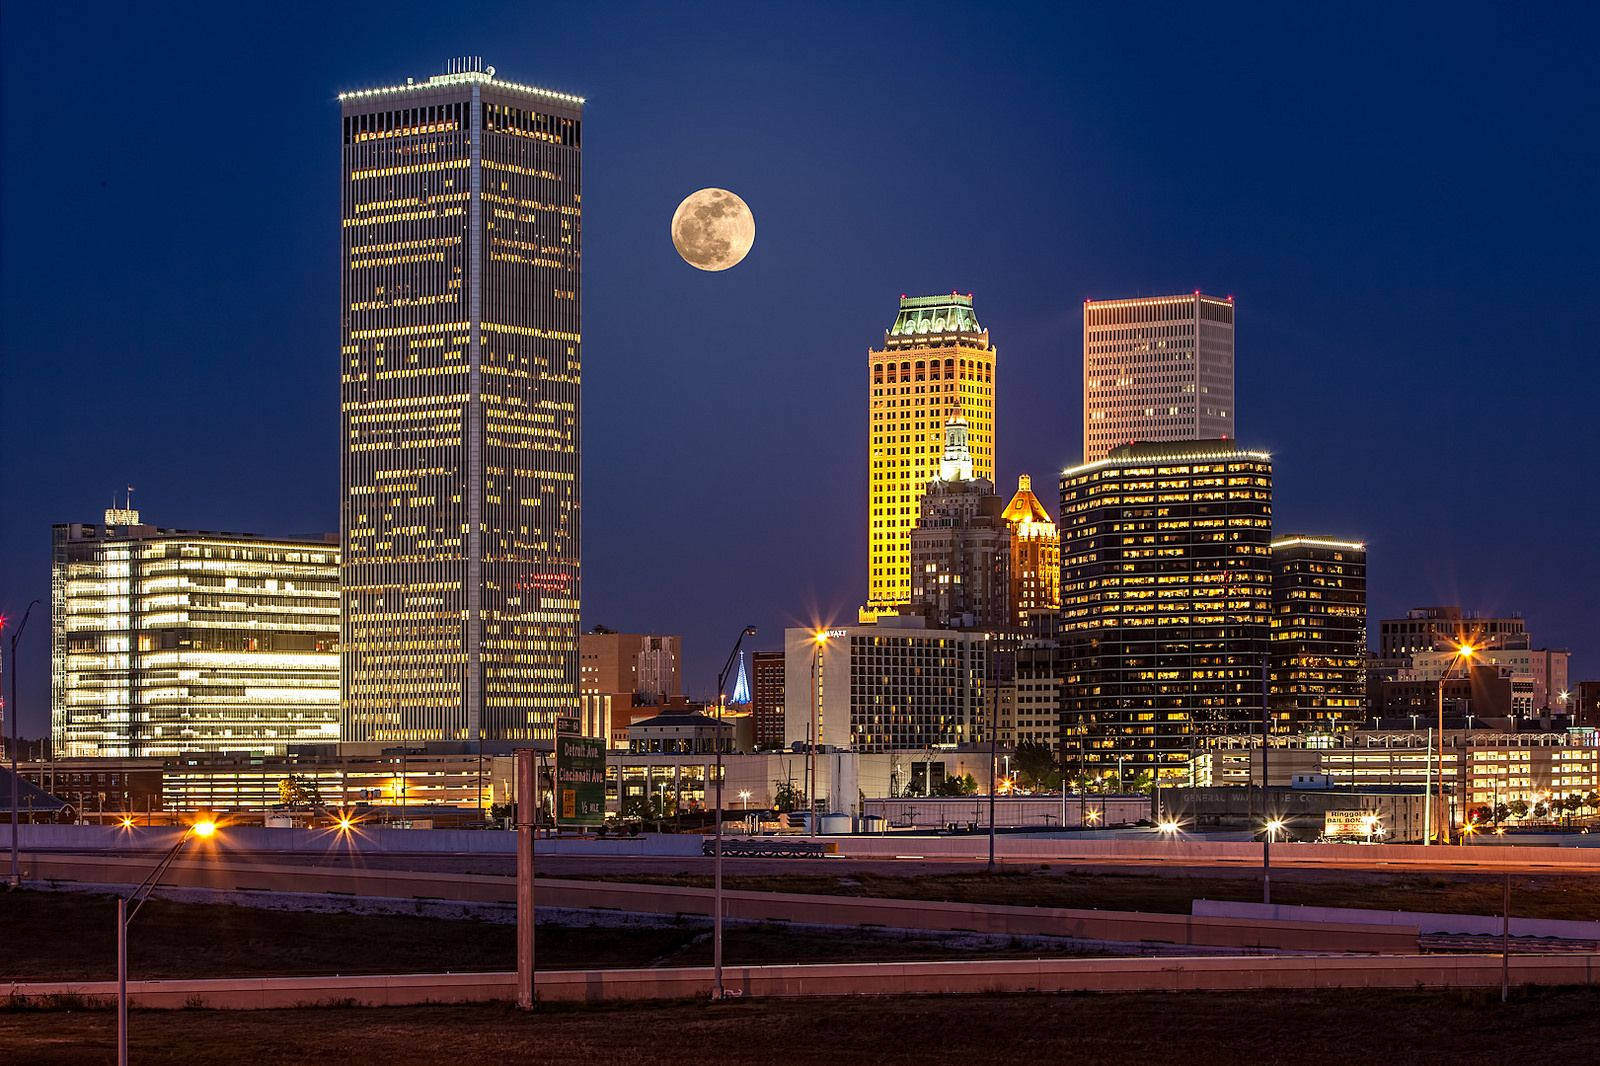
x=1168 y=826
x=1463 y=652
x=744 y=799
x=203 y=827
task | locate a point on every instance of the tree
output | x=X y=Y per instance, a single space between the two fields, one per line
x=1501 y=812
x=786 y=797
x=297 y=790
x=1480 y=814
x=1036 y=767
x=1519 y=808
x=959 y=785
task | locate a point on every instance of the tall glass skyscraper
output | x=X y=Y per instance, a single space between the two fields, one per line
x=1166 y=589
x=459 y=387
x=1157 y=368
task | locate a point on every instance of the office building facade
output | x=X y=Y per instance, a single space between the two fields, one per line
x=168 y=641
x=936 y=363
x=1426 y=629
x=894 y=685
x=459 y=380
x=961 y=546
x=1319 y=633
x=1166 y=587
x=1156 y=369
x=767 y=672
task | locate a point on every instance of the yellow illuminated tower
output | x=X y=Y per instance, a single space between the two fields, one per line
x=459 y=379
x=936 y=363
x=1035 y=554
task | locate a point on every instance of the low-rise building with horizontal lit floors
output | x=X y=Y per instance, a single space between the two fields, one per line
x=1166 y=591
x=169 y=640
x=1425 y=629
x=894 y=685
x=1481 y=768
x=1319 y=633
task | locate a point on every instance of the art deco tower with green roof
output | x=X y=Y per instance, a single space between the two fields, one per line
x=936 y=363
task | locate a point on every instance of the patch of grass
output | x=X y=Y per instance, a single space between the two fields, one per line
x=1135 y=1029
x=1533 y=896
x=71 y=936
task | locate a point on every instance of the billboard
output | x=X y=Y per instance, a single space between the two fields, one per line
x=1348 y=825
x=580 y=780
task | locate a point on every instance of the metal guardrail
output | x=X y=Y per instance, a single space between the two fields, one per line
x=772 y=848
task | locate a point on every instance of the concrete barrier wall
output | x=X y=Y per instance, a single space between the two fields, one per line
x=366 y=838
x=1427 y=922
x=914 y=978
x=1015 y=848
x=1116 y=926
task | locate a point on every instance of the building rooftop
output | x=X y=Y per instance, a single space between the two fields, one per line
x=1025 y=508
x=922 y=315
x=462 y=71
x=1141 y=451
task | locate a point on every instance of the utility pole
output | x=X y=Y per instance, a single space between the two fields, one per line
x=1266 y=803
x=11 y=712
x=527 y=790
x=994 y=762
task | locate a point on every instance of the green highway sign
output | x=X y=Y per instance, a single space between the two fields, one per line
x=580 y=783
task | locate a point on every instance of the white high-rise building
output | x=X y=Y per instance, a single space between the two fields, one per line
x=1156 y=369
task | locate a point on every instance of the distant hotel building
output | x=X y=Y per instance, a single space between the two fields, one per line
x=936 y=363
x=171 y=640
x=1156 y=368
x=895 y=685
x=1319 y=634
x=767 y=696
x=459 y=380
x=1166 y=587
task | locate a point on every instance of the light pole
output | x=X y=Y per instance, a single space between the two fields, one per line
x=818 y=640
x=1464 y=653
x=716 y=925
x=1272 y=827
x=11 y=712
x=203 y=828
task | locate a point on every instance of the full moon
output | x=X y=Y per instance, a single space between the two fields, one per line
x=713 y=229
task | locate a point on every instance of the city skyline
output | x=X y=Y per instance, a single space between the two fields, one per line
x=250 y=466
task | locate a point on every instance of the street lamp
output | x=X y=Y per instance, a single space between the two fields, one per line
x=1169 y=827
x=1272 y=828
x=203 y=828
x=1464 y=653
x=716 y=939
x=819 y=639
x=11 y=712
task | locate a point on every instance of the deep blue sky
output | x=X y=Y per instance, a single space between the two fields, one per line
x=1403 y=202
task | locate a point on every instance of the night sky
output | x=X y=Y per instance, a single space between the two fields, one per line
x=1403 y=203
